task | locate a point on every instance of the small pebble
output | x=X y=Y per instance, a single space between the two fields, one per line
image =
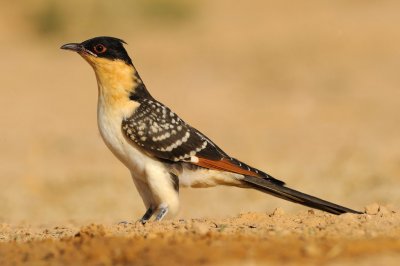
x=372 y=209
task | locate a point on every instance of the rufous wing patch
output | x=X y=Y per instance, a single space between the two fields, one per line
x=224 y=165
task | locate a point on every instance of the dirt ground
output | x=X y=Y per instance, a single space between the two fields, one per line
x=309 y=237
x=308 y=92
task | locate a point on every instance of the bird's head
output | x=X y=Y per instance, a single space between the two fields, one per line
x=109 y=59
x=100 y=49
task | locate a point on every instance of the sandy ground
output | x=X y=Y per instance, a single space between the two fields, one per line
x=305 y=238
x=307 y=92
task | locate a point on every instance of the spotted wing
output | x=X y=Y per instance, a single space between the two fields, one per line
x=162 y=134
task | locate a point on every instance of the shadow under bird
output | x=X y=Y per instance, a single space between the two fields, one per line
x=162 y=151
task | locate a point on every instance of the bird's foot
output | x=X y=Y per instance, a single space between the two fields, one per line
x=146 y=217
x=161 y=213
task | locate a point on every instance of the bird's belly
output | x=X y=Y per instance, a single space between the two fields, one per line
x=208 y=178
x=111 y=133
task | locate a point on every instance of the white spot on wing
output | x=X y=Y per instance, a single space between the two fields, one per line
x=194 y=159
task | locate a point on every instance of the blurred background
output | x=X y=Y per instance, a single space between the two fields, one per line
x=307 y=91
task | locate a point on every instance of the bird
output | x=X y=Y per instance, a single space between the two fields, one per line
x=161 y=151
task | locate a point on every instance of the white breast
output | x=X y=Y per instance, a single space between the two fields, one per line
x=109 y=121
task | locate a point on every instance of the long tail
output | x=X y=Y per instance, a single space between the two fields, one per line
x=279 y=190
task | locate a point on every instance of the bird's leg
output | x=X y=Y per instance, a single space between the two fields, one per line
x=163 y=210
x=146 y=217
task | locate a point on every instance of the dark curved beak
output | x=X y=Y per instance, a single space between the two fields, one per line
x=76 y=47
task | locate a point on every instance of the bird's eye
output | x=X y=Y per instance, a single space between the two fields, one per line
x=99 y=48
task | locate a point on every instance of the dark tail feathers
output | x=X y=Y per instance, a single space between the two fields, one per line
x=295 y=196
